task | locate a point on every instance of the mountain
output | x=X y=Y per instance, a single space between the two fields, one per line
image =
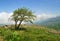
x=51 y=23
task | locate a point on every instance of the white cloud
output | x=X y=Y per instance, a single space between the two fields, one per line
x=4 y=16
x=44 y=16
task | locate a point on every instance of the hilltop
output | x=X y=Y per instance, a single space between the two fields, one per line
x=30 y=33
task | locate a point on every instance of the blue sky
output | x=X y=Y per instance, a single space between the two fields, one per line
x=42 y=8
x=38 y=6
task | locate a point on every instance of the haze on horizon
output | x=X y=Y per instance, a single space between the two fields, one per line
x=41 y=8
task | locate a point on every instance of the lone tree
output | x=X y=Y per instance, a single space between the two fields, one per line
x=22 y=14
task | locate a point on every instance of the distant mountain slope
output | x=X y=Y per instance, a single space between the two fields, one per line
x=51 y=23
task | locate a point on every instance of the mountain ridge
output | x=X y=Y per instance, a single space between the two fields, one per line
x=51 y=22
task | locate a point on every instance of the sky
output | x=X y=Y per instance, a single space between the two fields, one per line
x=43 y=9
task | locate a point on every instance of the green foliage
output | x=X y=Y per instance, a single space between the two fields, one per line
x=31 y=34
x=22 y=14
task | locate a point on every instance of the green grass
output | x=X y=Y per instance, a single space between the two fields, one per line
x=32 y=33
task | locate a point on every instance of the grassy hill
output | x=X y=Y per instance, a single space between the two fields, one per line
x=30 y=33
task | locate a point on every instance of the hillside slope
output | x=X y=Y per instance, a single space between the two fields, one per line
x=32 y=33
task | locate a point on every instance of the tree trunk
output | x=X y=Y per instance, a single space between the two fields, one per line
x=19 y=24
x=15 y=24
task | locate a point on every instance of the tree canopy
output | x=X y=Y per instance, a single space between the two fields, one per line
x=22 y=14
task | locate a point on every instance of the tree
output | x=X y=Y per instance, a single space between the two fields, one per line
x=22 y=14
